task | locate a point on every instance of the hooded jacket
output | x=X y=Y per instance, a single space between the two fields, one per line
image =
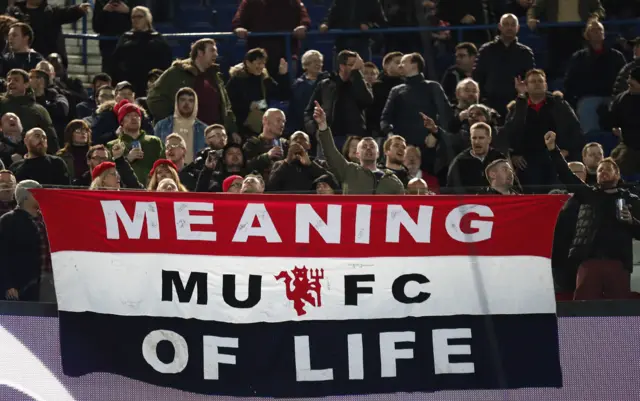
x=183 y=73
x=244 y=88
x=104 y=124
x=31 y=114
x=164 y=128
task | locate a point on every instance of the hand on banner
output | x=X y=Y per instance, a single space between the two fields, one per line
x=12 y=294
x=550 y=140
x=320 y=117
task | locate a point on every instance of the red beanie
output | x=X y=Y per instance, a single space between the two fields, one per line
x=125 y=107
x=161 y=162
x=101 y=168
x=226 y=184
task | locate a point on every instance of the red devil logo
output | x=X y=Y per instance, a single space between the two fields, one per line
x=303 y=286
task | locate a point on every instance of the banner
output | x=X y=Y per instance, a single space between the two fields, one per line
x=306 y=296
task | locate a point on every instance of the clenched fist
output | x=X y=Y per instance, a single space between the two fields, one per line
x=550 y=140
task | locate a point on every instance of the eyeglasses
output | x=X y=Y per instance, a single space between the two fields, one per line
x=169 y=147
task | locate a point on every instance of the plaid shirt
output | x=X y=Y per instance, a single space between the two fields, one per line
x=45 y=254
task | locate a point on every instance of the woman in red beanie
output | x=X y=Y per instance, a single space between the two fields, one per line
x=105 y=176
x=164 y=168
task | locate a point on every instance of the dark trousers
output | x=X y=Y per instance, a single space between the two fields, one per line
x=602 y=279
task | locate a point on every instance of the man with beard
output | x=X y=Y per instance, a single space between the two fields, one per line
x=394 y=150
x=217 y=169
x=141 y=149
x=500 y=175
x=468 y=168
x=21 y=101
x=200 y=73
x=298 y=172
x=184 y=123
x=356 y=178
x=608 y=221
x=38 y=165
x=467 y=93
x=11 y=144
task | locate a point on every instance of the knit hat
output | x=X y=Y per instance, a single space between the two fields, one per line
x=125 y=107
x=226 y=184
x=101 y=168
x=162 y=162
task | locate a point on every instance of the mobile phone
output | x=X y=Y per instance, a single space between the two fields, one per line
x=135 y=144
x=276 y=142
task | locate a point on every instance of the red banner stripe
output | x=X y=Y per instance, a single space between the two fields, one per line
x=520 y=225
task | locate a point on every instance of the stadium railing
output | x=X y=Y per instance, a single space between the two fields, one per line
x=456 y=29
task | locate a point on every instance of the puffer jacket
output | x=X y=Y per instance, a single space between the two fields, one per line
x=104 y=124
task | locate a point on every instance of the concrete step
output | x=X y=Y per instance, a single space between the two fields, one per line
x=76 y=42
x=84 y=69
x=91 y=59
x=77 y=49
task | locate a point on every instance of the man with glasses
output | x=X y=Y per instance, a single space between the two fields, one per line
x=96 y=155
x=175 y=150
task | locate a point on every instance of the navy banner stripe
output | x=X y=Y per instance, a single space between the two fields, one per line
x=507 y=351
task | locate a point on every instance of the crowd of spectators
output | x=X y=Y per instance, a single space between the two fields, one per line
x=490 y=126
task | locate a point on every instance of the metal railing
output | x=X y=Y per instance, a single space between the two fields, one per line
x=458 y=29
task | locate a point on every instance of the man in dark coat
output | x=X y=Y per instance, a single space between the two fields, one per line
x=46 y=21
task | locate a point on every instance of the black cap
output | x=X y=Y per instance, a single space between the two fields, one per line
x=123 y=85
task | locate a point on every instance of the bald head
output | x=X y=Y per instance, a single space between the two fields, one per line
x=508 y=27
x=36 y=142
x=11 y=125
x=273 y=122
x=417 y=186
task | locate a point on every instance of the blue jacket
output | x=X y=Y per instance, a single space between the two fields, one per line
x=164 y=128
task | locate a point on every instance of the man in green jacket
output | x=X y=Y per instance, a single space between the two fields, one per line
x=356 y=179
x=202 y=74
x=141 y=150
x=21 y=101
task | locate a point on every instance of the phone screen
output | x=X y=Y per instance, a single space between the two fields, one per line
x=135 y=144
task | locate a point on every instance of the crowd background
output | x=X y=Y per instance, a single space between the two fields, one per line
x=424 y=113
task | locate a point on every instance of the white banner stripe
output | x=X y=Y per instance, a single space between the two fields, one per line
x=131 y=285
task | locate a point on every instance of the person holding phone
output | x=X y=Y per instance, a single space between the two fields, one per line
x=263 y=150
x=141 y=150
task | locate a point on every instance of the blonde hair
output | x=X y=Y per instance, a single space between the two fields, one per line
x=98 y=183
x=309 y=55
x=153 y=181
x=148 y=17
